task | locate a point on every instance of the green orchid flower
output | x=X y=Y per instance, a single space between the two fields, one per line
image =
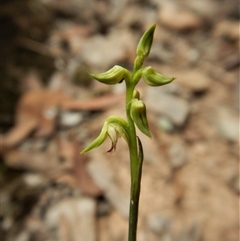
x=114 y=127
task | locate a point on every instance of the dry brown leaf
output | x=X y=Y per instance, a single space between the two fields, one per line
x=37 y=161
x=99 y=103
x=38 y=108
x=18 y=133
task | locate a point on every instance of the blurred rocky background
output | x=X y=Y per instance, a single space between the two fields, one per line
x=50 y=109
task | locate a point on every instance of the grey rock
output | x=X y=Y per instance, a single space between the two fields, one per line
x=177 y=155
x=178 y=18
x=34 y=180
x=146 y=16
x=103 y=176
x=165 y=124
x=227 y=124
x=194 y=80
x=159 y=224
x=87 y=209
x=174 y=108
x=118 y=42
x=70 y=118
x=79 y=219
x=159 y=52
x=192 y=233
x=205 y=8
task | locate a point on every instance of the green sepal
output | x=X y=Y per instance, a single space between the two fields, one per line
x=114 y=127
x=113 y=76
x=153 y=78
x=139 y=115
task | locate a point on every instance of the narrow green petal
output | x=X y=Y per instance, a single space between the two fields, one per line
x=98 y=141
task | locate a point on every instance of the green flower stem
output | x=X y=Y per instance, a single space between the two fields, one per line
x=135 y=194
x=135 y=166
x=132 y=133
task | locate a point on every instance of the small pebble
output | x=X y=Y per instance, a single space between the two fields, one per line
x=159 y=224
x=70 y=118
x=34 y=180
x=165 y=124
x=227 y=124
x=173 y=107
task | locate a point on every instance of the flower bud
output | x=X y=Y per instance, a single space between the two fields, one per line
x=114 y=127
x=153 y=78
x=145 y=43
x=139 y=116
x=113 y=76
